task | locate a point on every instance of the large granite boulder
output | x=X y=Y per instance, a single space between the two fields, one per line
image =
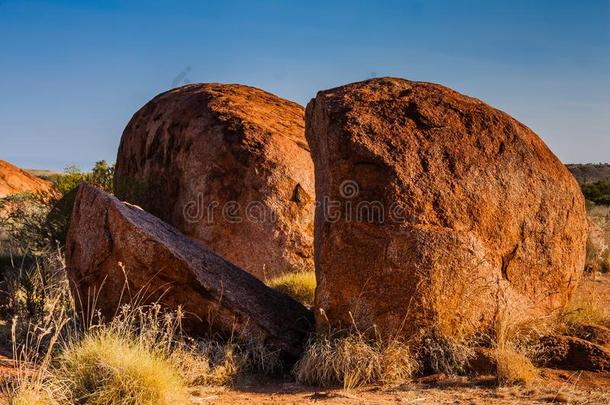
x=229 y=166
x=437 y=210
x=117 y=253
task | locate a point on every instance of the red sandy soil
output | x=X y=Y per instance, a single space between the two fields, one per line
x=554 y=386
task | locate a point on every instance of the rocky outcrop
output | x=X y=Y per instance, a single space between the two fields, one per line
x=117 y=253
x=600 y=335
x=13 y=180
x=436 y=210
x=229 y=166
x=572 y=353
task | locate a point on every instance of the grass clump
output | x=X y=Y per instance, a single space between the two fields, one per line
x=211 y=364
x=33 y=395
x=106 y=368
x=514 y=368
x=301 y=286
x=139 y=357
x=36 y=389
x=515 y=343
x=354 y=360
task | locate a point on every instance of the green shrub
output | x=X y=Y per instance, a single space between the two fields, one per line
x=598 y=192
x=35 y=221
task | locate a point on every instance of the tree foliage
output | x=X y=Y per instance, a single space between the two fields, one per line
x=33 y=221
x=598 y=192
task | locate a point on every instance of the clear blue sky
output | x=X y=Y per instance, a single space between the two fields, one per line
x=72 y=73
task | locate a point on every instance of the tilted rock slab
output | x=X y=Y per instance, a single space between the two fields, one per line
x=227 y=165
x=117 y=253
x=436 y=210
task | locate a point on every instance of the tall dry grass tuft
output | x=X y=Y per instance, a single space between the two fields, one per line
x=515 y=342
x=36 y=391
x=105 y=367
x=34 y=292
x=354 y=360
x=34 y=383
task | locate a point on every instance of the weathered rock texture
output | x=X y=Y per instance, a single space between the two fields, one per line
x=473 y=215
x=14 y=180
x=571 y=353
x=228 y=165
x=600 y=335
x=116 y=253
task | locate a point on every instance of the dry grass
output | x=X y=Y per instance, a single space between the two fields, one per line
x=138 y=358
x=33 y=393
x=300 y=286
x=214 y=364
x=439 y=353
x=514 y=368
x=34 y=383
x=587 y=307
x=107 y=368
x=515 y=341
x=353 y=361
x=35 y=386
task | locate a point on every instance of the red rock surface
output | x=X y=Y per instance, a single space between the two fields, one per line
x=572 y=353
x=117 y=253
x=14 y=180
x=480 y=217
x=198 y=156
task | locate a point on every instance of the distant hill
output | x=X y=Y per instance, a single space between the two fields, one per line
x=587 y=173
x=44 y=174
x=594 y=179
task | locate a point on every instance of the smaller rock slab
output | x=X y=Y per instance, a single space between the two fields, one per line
x=117 y=253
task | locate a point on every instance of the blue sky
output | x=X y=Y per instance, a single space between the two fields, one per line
x=72 y=73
